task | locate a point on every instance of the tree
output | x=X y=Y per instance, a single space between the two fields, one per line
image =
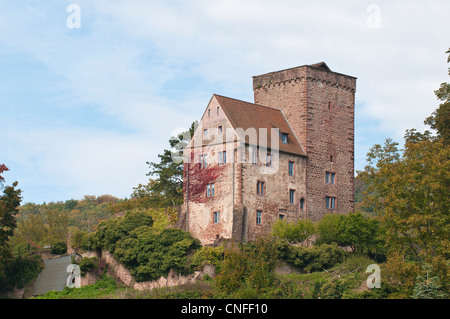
x=440 y=119
x=9 y=203
x=169 y=171
x=409 y=188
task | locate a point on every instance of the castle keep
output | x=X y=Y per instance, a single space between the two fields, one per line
x=288 y=155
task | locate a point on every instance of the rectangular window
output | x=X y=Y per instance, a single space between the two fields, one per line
x=210 y=190
x=269 y=160
x=222 y=158
x=220 y=129
x=217 y=110
x=260 y=188
x=201 y=161
x=302 y=204
x=216 y=217
x=259 y=217
x=329 y=178
x=205 y=132
x=292 y=196
x=205 y=161
x=254 y=156
x=281 y=217
x=291 y=168
x=331 y=202
x=284 y=138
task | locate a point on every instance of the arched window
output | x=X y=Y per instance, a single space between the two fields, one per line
x=302 y=204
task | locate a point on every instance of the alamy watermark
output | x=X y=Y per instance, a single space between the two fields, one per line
x=73 y=21
x=74 y=278
x=374 y=18
x=230 y=145
x=374 y=280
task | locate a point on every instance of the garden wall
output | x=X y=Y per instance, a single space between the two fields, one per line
x=172 y=279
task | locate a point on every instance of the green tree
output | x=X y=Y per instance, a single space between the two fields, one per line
x=409 y=188
x=169 y=171
x=9 y=203
x=440 y=119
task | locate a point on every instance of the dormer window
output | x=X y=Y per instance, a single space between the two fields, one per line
x=284 y=138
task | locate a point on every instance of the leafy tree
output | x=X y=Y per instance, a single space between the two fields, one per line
x=169 y=171
x=9 y=203
x=428 y=286
x=440 y=119
x=409 y=188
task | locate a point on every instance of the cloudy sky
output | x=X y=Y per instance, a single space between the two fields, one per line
x=91 y=90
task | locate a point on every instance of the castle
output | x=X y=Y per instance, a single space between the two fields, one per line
x=288 y=155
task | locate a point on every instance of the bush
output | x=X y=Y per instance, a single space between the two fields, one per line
x=361 y=232
x=88 y=264
x=316 y=258
x=207 y=255
x=293 y=232
x=249 y=270
x=24 y=269
x=59 y=248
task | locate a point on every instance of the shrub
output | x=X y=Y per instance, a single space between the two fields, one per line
x=207 y=255
x=248 y=270
x=316 y=258
x=88 y=264
x=59 y=248
x=24 y=269
x=293 y=232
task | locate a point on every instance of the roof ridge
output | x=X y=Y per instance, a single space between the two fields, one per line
x=269 y=107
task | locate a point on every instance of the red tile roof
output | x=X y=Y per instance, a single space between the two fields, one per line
x=247 y=115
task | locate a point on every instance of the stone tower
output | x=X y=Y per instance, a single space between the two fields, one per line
x=319 y=105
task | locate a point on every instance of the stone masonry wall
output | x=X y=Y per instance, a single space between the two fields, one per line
x=319 y=106
x=173 y=278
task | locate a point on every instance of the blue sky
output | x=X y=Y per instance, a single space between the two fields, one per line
x=83 y=109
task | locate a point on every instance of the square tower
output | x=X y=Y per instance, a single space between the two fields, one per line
x=319 y=105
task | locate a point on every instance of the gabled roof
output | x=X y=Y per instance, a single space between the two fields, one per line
x=247 y=115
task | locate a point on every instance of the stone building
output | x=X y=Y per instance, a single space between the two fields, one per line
x=289 y=155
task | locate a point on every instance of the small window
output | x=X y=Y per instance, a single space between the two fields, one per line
x=254 y=156
x=331 y=202
x=281 y=217
x=217 y=110
x=205 y=132
x=259 y=217
x=330 y=105
x=302 y=204
x=209 y=112
x=210 y=190
x=269 y=160
x=216 y=217
x=284 y=138
x=203 y=161
x=260 y=188
x=222 y=158
x=330 y=178
x=292 y=196
x=291 y=168
x=331 y=158
x=220 y=129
